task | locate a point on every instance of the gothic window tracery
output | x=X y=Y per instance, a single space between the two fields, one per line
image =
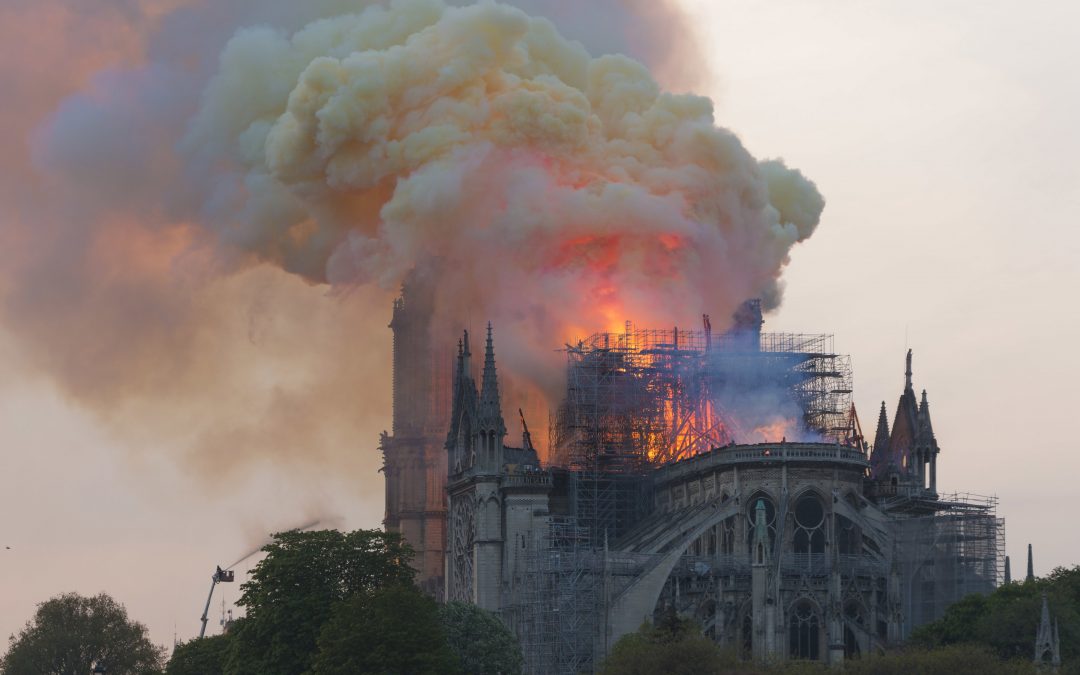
x=809 y=525
x=770 y=518
x=848 y=536
x=727 y=536
x=804 y=632
x=462 y=536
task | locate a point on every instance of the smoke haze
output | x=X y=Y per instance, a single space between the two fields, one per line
x=219 y=200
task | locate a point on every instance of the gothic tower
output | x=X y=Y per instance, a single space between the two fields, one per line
x=1047 y=640
x=907 y=455
x=414 y=462
x=477 y=457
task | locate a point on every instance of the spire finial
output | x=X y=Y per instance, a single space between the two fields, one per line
x=760 y=541
x=459 y=372
x=490 y=407
x=881 y=439
x=466 y=366
x=1047 y=646
x=1031 y=566
x=907 y=373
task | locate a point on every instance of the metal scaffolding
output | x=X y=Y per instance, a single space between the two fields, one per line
x=947 y=555
x=560 y=609
x=637 y=400
x=561 y=614
x=643 y=398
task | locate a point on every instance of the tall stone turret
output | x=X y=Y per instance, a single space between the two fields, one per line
x=1030 y=566
x=762 y=604
x=906 y=456
x=926 y=447
x=1047 y=642
x=475 y=446
x=414 y=462
x=879 y=455
x=489 y=422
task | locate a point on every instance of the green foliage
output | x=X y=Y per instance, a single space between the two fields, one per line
x=1007 y=620
x=70 y=632
x=201 y=656
x=293 y=590
x=952 y=660
x=673 y=646
x=483 y=644
x=393 y=631
x=957 y=626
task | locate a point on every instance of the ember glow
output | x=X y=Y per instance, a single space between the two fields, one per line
x=648 y=396
x=780 y=430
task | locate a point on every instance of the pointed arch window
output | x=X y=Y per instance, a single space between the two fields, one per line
x=809 y=526
x=727 y=536
x=804 y=632
x=770 y=518
x=848 y=536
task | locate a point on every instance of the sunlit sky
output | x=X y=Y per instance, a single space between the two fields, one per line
x=943 y=137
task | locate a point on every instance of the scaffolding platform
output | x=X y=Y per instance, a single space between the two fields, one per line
x=643 y=398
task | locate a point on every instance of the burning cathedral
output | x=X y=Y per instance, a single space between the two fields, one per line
x=723 y=477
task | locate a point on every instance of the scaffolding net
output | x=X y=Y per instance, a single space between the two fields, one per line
x=948 y=555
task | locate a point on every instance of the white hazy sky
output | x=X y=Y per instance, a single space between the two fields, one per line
x=943 y=136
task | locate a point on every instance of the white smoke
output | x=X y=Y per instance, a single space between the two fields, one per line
x=559 y=192
x=345 y=143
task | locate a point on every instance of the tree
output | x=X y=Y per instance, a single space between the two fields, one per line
x=483 y=644
x=1006 y=620
x=393 y=631
x=202 y=656
x=957 y=626
x=293 y=590
x=673 y=646
x=951 y=659
x=70 y=633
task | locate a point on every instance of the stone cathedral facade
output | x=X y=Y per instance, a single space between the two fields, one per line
x=810 y=550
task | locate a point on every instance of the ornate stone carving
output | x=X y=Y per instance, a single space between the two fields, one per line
x=462 y=536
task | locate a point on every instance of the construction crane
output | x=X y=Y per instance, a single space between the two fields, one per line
x=526 y=437
x=220 y=577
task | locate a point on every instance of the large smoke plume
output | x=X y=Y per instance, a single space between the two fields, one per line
x=552 y=192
